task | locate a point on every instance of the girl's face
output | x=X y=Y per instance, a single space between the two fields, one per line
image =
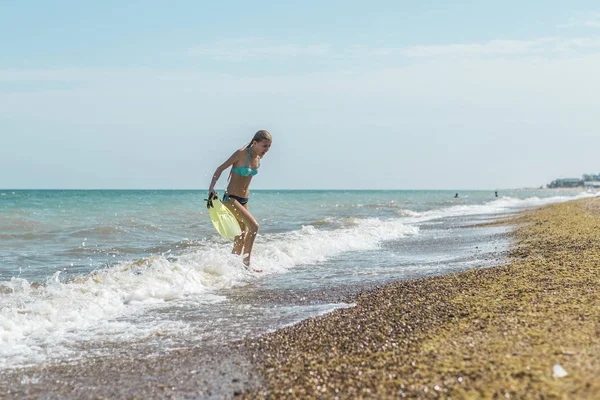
x=262 y=147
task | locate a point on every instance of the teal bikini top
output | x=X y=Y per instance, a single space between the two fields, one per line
x=246 y=171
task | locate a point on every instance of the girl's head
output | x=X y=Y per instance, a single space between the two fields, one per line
x=261 y=142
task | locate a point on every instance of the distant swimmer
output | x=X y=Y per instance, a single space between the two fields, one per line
x=244 y=165
x=496 y=193
x=456 y=196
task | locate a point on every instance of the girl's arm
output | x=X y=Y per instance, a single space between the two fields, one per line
x=220 y=170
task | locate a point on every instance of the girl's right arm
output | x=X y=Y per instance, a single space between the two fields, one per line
x=230 y=161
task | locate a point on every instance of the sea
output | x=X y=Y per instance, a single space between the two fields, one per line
x=105 y=273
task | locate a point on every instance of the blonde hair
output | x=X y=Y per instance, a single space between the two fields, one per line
x=260 y=136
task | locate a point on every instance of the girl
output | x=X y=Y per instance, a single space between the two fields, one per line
x=244 y=163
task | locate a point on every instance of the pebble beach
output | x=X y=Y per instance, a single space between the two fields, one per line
x=528 y=329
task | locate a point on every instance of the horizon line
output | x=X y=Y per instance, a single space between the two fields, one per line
x=289 y=189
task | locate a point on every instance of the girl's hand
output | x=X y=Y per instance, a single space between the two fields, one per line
x=211 y=196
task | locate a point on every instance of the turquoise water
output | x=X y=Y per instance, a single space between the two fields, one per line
x=75 y=232
x=83 y=270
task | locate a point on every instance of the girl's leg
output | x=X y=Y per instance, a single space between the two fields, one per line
x=249 y=239
x=238 y=241
x=251 y=227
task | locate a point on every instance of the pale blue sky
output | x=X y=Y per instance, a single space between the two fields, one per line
x=358 y=95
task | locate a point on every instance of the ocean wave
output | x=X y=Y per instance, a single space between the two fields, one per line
x=498 y=206
x=26 y=236
x=99 y=231
x=331 y=222
x=310 y=245
x=38 y=322
x=18 y=224
x=41 y=321
x=377 y=206
x=407 y=213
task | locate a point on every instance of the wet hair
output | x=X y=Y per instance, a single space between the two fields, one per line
x=260 y=136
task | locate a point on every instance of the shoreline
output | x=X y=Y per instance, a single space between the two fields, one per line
x=461 y=335
x=483 y=333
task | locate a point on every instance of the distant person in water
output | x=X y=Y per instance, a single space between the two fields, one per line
x=244 y=165
x=496 y=193
x=456 y=196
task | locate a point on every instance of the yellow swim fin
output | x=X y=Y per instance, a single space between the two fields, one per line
x=223 y=220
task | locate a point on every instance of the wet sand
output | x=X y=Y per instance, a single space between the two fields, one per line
x=198 y=373
x=487 y=333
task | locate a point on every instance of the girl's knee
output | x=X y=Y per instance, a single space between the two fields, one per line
x=253 y=228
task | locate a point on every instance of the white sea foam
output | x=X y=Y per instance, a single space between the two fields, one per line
x=309 y=245
x=38 y=322
x=407 y=213
x=498 y=206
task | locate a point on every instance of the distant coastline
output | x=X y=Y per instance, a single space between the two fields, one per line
x=586 y=181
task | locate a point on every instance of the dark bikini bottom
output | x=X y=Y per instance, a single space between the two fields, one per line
x=241 y=200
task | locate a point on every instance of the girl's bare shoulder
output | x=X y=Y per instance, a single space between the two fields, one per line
x=237 y=155
x=239 y=152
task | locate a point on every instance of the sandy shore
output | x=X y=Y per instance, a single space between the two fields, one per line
x=488 y=333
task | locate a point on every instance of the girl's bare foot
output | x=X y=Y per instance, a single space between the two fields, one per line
x=249 y=268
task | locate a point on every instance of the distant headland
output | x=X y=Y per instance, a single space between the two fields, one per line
x=586 y=180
